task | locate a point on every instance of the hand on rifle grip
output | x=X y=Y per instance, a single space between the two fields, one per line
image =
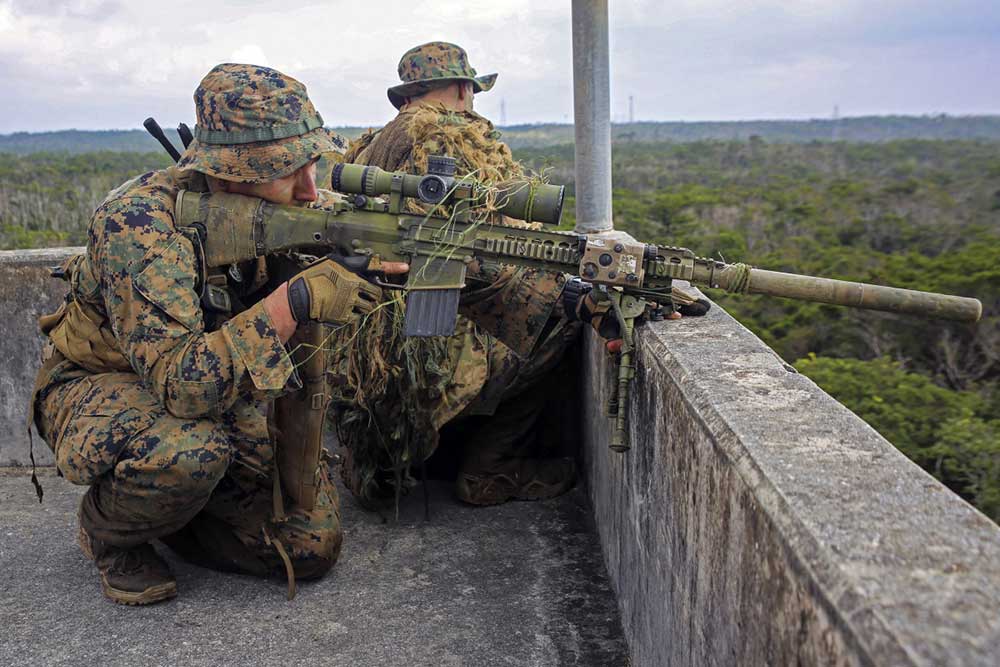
x=581 y=301
x=372 y=269
x=329 y=291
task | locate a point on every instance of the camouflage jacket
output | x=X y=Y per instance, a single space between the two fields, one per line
x=134 y=305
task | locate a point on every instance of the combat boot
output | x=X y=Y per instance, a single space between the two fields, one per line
x=134 y=576
x=521 y=479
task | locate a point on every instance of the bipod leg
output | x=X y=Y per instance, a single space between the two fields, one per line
x=626 y=309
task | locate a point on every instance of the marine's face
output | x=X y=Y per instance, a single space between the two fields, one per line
x=297 y=187
x=467 y=95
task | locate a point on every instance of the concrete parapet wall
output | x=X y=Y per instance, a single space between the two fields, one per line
x=757 y=521
x=26 y=292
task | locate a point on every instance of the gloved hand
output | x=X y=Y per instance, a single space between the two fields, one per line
x=687 y=304
x=582 y=302
x=327 y=291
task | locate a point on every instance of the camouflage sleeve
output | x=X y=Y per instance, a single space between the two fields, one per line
x=357 y=146
x=516 y=306
x=148 y=281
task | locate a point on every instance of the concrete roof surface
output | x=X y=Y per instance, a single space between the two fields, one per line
x=517 y=584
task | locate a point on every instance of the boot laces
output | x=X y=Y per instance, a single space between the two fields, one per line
x=128 y=561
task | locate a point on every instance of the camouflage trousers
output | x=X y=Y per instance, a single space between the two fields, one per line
x=525 y=408
x=203 y=486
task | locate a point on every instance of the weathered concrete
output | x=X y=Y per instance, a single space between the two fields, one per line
x=26 y=292
x=519 y=584
x=757 y=521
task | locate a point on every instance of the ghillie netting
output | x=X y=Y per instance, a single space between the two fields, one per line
x=387 y=387
x=393 y=393
x=469 y=138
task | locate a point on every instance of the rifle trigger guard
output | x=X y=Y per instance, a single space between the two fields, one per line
x=385 y=285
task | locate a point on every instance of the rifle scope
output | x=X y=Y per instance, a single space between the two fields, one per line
x=519 y=199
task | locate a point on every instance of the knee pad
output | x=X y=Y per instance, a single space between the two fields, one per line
x=315 y=547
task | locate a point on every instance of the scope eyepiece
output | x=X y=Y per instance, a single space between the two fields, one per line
x=335 y=179
x=432 y=188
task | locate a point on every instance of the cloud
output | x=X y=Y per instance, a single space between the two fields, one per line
x=778 y=59
x=94 y=10
x=100 y=64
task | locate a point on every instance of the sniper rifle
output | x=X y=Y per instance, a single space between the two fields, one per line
x=374 y=225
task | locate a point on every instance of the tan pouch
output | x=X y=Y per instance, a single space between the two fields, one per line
x=82 y=335
x=78 y=330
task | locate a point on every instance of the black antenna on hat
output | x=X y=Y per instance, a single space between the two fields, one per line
x=184 y=132
x=154 y=129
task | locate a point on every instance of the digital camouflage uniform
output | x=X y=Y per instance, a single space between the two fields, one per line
x=160 y=408
x=483 y=376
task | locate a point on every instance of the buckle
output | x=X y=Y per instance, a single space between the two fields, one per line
x=217 y=299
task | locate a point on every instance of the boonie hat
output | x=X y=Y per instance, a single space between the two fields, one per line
x=423 y=66
x=254 y=125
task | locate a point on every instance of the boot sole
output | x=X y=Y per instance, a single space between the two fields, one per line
x=130 y=598
x=134 y=599
x=550 y=492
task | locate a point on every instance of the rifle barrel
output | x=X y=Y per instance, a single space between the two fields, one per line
x=839 y=292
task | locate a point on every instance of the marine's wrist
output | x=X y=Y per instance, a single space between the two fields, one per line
x=279 y=311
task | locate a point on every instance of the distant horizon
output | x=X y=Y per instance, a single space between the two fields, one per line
x=803 y=119
x=944 y=127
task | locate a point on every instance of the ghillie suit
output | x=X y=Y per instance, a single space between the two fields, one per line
x=396 y=393
x=426 y=129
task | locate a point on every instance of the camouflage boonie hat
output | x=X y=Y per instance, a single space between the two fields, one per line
x=254 y=125
x=423 y=66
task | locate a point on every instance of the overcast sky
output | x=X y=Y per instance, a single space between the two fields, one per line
x=96 y=64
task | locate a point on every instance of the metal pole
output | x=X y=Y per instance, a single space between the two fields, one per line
x=592 y=116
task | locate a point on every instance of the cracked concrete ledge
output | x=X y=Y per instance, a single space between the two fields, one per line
x=758 y=521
